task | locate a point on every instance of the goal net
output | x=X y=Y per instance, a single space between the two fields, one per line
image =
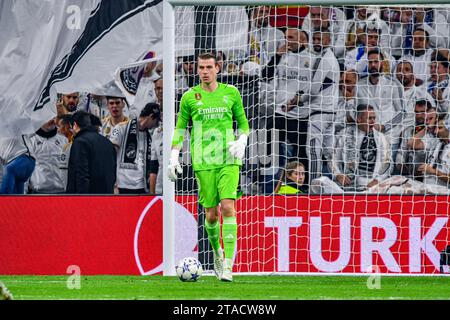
x=347 y=168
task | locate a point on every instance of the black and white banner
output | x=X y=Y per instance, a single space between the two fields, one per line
x=64 y=46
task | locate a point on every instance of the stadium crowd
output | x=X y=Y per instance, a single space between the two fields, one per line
x=358 y=98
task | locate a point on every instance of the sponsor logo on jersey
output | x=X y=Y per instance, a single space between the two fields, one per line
x=212 y=110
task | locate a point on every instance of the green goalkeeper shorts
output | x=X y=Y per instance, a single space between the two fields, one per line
x=218 y=184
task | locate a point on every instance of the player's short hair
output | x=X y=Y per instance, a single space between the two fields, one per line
x=207 y=55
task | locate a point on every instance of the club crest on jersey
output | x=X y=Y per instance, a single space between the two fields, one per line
x=198 y=96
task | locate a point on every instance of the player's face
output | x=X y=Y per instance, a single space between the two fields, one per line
x=115 y=107
x=71 y=101
x=207 y=70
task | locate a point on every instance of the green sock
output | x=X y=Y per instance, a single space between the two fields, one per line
x=213 y=231
x=229 y=235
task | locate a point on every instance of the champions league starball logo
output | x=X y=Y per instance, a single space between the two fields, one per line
x=148 y=259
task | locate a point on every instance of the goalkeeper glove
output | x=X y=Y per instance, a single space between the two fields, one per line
x=237 y=148
x=174 y=168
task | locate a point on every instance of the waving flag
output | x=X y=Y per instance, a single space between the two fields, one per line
x=64 y=46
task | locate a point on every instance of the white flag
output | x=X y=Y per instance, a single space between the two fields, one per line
x=66 y=46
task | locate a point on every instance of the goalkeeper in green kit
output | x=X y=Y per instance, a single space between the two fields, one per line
x=216 y=155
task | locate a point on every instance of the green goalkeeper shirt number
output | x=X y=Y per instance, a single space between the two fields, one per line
x=212 y=115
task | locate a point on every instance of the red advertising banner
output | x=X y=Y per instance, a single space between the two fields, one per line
x=122 y=235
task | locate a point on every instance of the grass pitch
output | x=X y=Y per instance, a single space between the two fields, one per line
x=243 y=287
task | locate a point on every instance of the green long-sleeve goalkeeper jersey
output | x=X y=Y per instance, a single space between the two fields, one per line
x=212 y=115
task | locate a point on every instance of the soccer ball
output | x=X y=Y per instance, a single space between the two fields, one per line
x=189 y=269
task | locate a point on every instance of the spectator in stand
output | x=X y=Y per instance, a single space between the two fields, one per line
x=385 y=95
x=186 y=75
x=65 y=129
x=321 y=100
x=347 y=100
x=436 y=169
x=357 y=58
x=133 y=143
x=292 y=179
x=156 y=154
x=67 y=103
x=289 y=74
x=116 y=116
x=355 y=27
x=46 y=145
x=406 y=77
x=361 y=158
x=92 y=161
x=420 y=56
x=18 y=164
x=410 y=19
x=156 y=162
x=159 y=92
x=438 y=86
x=327 y=18
x=265 y=40
x=435 y=23
x=417 y=141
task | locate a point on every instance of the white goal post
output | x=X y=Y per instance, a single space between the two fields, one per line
x=169 y=77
